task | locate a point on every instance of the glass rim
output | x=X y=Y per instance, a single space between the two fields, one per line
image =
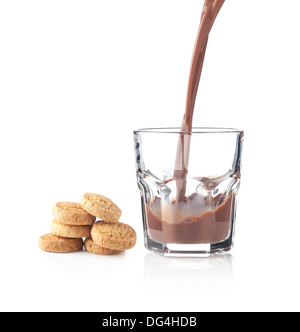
x=195 y=130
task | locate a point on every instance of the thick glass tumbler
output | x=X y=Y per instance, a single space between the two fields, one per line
x=188 y=183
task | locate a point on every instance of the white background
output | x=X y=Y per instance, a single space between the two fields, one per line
x=76 y=78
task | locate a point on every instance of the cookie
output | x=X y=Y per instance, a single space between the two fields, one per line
x=94 y=248
x=72 y=214
x=100 y=207
x=69 y=231
x=53 y=243
x=116 y=236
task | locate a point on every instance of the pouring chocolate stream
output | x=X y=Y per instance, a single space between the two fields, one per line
x=210 y=11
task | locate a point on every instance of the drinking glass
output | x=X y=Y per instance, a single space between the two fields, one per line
x=188 y=183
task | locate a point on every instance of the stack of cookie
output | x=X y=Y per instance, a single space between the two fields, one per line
x=74 y=221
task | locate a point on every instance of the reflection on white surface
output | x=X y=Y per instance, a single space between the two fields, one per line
x=188 y=272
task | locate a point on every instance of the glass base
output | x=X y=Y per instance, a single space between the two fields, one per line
x=188 y=250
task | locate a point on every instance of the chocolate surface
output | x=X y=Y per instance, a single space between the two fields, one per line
x=208 y=227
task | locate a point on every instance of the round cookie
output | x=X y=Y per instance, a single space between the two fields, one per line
x=116 y=236
x=69 y=231
x=94 y=248
x=100 y=207
x=72 y=214
x=57 y=244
